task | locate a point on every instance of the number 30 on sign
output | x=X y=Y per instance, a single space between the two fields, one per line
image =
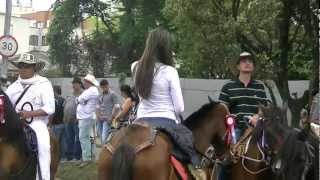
x=8 y=46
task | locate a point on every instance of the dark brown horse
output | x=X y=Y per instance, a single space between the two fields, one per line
x=277 y=151
x=134 y=152
x=17 y=162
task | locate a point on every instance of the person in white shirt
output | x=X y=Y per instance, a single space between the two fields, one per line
x=87 y=102
x=40 y=95
x=158 y=86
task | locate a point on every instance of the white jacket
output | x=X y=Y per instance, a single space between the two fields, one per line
x=87 y=103
x=166 y=98
x=40 y=95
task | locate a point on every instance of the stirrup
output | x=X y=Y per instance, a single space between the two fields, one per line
x=198 y=174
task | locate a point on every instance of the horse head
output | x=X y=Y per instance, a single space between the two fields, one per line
x=286 y=147
x=10 y=124
x=209 y=123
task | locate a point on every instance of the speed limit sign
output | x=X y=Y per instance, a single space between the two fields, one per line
x=8 y=46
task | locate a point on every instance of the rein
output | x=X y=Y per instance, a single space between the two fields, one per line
x=244 y=157
x=31 y=109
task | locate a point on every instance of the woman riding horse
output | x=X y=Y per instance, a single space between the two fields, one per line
x=134 y=153
x=158 y=86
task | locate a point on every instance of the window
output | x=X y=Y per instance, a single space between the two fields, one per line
x=44 y=41
x=33 y=40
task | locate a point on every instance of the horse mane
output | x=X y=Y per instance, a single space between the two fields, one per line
x=197 y=118
x=275 y=117
x=295 y=148
x=13 y=124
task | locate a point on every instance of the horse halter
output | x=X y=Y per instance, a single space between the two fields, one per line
x=2 y=113
x=230 y=136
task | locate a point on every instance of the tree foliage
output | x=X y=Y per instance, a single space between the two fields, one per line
x=66 y=19
x=281 y=34
x=120 y=38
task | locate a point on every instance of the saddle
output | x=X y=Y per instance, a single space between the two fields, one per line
x=149 y=140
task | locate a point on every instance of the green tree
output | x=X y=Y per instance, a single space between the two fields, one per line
x=66 y=19
x=119 y=38
x=280 y=33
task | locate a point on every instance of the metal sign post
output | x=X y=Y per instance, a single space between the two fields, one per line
x=7 y=23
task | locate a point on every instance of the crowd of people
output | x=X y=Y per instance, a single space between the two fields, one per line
x=157 y=85
x=86 y=114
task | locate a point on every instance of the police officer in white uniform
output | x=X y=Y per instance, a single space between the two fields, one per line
x=40 y=95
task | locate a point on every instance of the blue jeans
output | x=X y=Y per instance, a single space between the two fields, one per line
x=103 y=130
x=73 y=150
x=99 y=128
x=239 y=132
x=181 y=136
x=85 y=127
x=59 y=133
x=106 y=127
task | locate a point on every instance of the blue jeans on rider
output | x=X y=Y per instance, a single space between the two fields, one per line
x=59 y=133
x=239 y=132
x=73 y=150
x=180 y=135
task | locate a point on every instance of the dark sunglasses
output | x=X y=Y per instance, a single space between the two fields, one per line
x=24 y=65
x=245 y=60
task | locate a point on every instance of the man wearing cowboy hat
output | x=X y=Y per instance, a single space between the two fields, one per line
x=243 y=94
x=86 y=107
x=37 y=90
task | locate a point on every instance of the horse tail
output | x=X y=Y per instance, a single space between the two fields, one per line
x=122 y=163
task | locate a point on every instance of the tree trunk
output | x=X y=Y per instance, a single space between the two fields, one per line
x=282 y=74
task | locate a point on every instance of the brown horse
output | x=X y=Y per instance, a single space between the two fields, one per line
x=276 y=151
x=135 y=152
x=251 y=162
x=17 y=162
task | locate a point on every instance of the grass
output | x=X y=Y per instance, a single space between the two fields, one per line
x=72 y=171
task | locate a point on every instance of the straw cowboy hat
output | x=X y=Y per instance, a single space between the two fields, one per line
x=29 y=59
x=90 y=78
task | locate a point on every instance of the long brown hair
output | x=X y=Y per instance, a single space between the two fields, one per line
x=157 y=50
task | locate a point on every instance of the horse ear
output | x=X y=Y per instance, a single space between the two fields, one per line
x=210 y=99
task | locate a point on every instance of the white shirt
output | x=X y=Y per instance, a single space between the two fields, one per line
x=40 y=95
x=166 y=97
x=87 y=103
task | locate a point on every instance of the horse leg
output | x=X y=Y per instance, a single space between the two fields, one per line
x=54 y=149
